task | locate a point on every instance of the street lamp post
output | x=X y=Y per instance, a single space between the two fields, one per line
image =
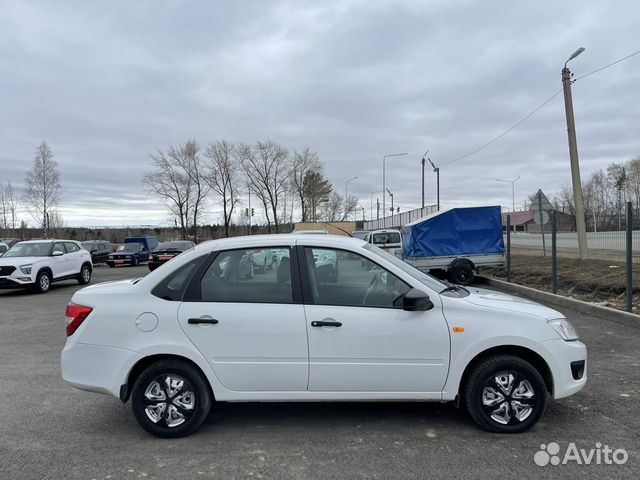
x=437 y=170
x=423 y=163
x=513 y=197
x=346 y=196
x=384 y=180
x=391 y=195
x=573 y=157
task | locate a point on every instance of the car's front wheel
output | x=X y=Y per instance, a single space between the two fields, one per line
x=505 y=394
x=85 y=275
x=43 y=282
x=171 y=399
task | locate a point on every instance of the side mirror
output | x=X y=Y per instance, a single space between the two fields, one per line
x=57 y=253
x=416 y=300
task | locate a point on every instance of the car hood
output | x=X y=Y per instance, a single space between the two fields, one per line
x=503 y=301
x=17 y=261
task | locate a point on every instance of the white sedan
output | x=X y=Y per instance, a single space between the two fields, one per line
x=198 y=331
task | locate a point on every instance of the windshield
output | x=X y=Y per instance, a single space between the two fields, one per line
x=428 y=280
x=386 y=238
x=130 y=247
x=27 y=249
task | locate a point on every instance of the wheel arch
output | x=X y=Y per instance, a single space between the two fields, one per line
x=45 y=268
x=143 y=363
x=460 y=262
x=535 y=359
x=86 y=264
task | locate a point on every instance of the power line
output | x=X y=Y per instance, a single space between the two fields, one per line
x=520 y=122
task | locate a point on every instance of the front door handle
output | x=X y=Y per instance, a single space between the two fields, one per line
x=326 y=323
x=195 y=321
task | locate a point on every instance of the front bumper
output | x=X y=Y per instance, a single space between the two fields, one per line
x=562 y=358
x=97 y=368
x=16 y=282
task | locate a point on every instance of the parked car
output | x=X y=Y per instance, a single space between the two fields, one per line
x=3 y=248
x=387 y=239
x=99 y=250
x=10 y=242
x=221 y=336
x=38 y=263
x=167 y=251
x=361 y=234
x=133 y=251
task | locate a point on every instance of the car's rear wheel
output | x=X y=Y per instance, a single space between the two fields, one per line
x=136 y=262
x=85 y=275
x=461 y=274
x=43 y=282
x=505 y=394
x=171 y=399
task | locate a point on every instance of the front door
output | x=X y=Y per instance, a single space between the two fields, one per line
x=249 y=323
x=360 y=339
x=60 y=262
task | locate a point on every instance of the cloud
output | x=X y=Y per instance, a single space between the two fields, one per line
x=105 y=85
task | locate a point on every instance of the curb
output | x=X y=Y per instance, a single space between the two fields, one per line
x=611 y=314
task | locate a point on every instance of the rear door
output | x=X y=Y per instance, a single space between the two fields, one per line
x=360 y=340
x=249 y=325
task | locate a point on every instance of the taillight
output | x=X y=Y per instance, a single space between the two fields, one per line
x=76 y=314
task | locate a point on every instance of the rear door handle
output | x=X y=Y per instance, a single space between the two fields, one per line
x=326 y=323
x=195 y=321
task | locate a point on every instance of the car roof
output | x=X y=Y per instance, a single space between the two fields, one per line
x=279 y=240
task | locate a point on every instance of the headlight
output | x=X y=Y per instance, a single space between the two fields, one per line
x=564 y=328
x=110 y=257
x=26 y=269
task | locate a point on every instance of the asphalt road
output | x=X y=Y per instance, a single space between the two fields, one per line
x=50 y=430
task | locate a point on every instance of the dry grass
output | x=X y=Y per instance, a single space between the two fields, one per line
x=598 y=281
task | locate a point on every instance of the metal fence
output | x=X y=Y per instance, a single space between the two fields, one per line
x=611 y=259
x=400 y=219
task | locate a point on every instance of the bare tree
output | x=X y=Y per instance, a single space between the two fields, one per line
x=11 y=200
x=350 y=205
x=633 y=179
x=332 y=209
x=268 y=170
x=176 y=177
x=43 y=187
x=304 y=163
x=222 y=177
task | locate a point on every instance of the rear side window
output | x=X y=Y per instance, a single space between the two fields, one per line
x=173 y=286
x=261 y=275
x=71 y=247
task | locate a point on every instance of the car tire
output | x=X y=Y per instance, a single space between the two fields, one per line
x=111 y=265
x=43 y=282
x=136 y=262
x=187 y=391
x=85 y=275
x=505 y=394
x=461 y=274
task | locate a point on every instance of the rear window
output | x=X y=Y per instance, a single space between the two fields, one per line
x=386 y=238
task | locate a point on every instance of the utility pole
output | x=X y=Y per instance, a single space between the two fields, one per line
x=377 y=209
x=423 y=163
x=573 y=157
x=437 y=170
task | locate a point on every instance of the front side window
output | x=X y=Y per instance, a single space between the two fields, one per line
x=249 y=276
x=345 y=278
x=58 y=247
x=27 y=249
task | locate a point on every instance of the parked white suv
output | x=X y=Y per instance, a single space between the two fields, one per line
x=38 y=263
x=198 y=330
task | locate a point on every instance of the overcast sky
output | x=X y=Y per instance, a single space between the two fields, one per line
x=107 y=83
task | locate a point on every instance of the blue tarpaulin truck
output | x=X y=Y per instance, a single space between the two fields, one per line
x=457 y=241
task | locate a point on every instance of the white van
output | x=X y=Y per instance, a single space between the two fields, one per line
x=387 y=239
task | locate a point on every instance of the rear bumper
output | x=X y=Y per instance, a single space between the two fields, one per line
x=96 y=368
x=562 y=358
